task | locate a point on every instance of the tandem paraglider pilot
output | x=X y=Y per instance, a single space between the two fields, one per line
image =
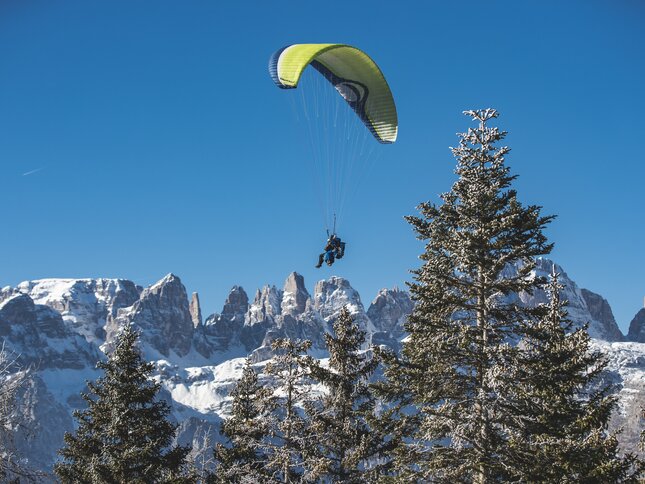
x=334 y=249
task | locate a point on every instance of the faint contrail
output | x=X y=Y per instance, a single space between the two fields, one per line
x=31 y=172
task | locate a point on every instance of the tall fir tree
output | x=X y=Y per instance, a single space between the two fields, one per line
x=559 y=405
x=342 y=440
x=288 y=445
x=462 y=322
x=244 y=459
x=124 y=435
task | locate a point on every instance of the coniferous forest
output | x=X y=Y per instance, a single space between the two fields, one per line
x=484 y=389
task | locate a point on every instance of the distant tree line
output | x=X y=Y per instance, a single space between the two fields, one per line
x=484 y=390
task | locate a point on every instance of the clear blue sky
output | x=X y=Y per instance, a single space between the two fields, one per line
x=157 y=142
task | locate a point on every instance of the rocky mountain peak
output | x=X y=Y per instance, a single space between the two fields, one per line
x=331 y=295
x=294 y=295
x=163 y=315
x=168 y=283
x=236 y=304
x=637 y=327
x=221 y=331
x=545 y=267
x=389 y=309
x=266 y=305
x=583 y=307
x=14 y=310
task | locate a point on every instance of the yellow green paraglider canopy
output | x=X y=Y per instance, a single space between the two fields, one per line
x=354 y=75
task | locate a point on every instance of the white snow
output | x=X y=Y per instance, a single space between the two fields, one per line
x=65 y=383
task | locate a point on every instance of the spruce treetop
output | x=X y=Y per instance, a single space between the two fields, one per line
x=478 y=231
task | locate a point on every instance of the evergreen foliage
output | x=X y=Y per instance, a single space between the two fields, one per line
x=447 y=383
x=341 y=436
x=642 y=443
x=124 y=435
x=288 y=445
x=12 y=379
x=559 y=406
x=244 y=458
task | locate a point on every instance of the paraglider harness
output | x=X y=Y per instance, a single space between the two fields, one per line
x=334 y=249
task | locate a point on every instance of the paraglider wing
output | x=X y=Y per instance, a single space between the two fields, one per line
x=352 y=72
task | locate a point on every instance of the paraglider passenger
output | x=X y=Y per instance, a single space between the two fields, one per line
x=339 y=246
x=334 y=249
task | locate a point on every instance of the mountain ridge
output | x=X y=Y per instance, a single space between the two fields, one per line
x=62 y=327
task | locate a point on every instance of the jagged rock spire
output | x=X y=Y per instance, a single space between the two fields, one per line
x=236 y=304
x=195 y=310
x=294 y=295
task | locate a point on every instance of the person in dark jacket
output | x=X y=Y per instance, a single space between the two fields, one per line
x=334 y=249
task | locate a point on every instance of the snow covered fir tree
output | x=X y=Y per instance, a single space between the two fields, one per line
x=243 y=458
x=289 y=447
x=456 y=373
x=559 y=407
x=344 y=445
x=123 y=435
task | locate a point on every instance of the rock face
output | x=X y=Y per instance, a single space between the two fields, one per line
x=222 y=331
x=162 y=315
x=195 y=310
x=62 y=327
x=262 y=314
x=332 y=295
x=266 y=306
x=593 y=309
x=84 y=304
x=601 y=312
x=236 y=305
x=637 y=327
x=39 y=338
x=294 y=295
x=279 y=313
x=46 y=421
x=389 y=312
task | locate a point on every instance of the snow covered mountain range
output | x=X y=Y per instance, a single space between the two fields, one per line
x=62 y=327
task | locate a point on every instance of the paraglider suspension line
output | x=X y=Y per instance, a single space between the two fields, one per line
x=333 y=228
